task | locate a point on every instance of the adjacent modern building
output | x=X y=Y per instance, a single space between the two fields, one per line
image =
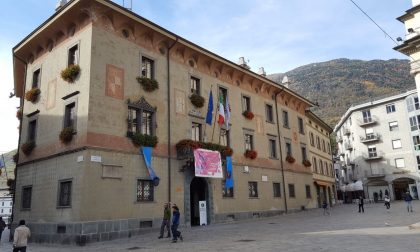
x=378 y=145
x=6 y=204
x=96 y=76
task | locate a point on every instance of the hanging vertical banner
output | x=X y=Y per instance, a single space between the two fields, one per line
x=147 y=154
x=229 y=175
x=208 y=163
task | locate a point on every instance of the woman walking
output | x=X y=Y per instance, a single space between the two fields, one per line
x=175 y=224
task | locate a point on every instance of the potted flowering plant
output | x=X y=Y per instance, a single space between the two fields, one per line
x=248 y=115
x=290 y=159
x=197 y=100
x=252 y=154
x=144 y=140
x=306 y=163
x=148 y=84
x=66 y=135
x=32 y=95
x=227 y=152
x=28 y=147
x=185 y=148
x=70 y=73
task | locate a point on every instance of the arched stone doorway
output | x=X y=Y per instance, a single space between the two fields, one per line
x=401 y=186
x=198 y=192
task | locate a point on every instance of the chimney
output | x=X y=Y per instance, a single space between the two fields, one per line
x=262 y=72
x=60 y=4
x=243 y=63
x=285 y=82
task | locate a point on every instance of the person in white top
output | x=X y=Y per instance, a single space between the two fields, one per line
x=20 y=238
x=387 y=201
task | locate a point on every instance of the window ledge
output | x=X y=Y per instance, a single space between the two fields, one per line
x=253 y=197
x=271 y=122
x=274 y=158
x=145 y=202
x=227 y=197
x=286 y=127
x=61 y=207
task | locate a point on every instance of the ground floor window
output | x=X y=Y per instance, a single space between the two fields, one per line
x=276 y=190
x=144 y=190
x=292 y=191
x=64 y=193
x=253 y=189
x=308 y=191
x=227 y=192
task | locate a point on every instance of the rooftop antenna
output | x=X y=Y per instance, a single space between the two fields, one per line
x=128 y=2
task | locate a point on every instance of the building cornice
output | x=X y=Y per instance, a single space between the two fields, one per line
x=409 y=13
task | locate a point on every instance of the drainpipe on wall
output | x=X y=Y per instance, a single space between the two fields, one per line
x=281 y=158
x=22 y=104
x=169 y=118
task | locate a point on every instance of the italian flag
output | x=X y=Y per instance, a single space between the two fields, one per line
x=221 y=119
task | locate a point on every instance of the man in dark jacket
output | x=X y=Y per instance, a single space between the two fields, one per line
x=408 y=200
x=175 y=224
x=166 y=222
x=361 y=208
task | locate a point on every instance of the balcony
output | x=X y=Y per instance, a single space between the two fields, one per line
x=348 y=146
x=341 y=153
x=375 y=173
x=339 y=139
x=370 y=138
x=346 y=131
x=366 y=121
x=374 y=155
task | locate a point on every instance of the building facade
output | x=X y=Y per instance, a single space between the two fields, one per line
x=378 y=148
x=81 y=179
x=6 y=204
x=321 y=158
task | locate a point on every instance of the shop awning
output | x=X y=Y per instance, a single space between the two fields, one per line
x=323 y=183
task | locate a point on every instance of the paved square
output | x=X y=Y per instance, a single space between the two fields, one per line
x=345 y=230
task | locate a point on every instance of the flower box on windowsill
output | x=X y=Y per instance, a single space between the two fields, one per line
x=185 y=148
x=28 y=147
x=290 y=159
x=32 y=95
x=143 y=140
x=66 y=135
x=148 y=84
x=248 y=115
x=70 y=73
x=197 y=100
x=252 y=154
x=306 y=163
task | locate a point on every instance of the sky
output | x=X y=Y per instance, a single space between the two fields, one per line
x=278 y=35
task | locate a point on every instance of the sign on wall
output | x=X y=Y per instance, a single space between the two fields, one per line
x=208 y=163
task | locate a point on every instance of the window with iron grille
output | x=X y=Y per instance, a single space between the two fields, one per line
x=26 y=197
x=291 y=190
x=144 y=190
x=253 y=189
x=147 y=68
x=140 y=120
x=276 y=190
x=64 y=193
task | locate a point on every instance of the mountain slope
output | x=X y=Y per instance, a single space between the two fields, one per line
x=337 y=84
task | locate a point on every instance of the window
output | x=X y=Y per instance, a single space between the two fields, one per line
x=412 y=104
x=367 y=118
x=323 y=145
x=390 y=108
x=418 y=162
x=291 y=190
x=225 y=137
x=64 y=193
x=314 y=165
x=393 y=126
x=36 y=78
x=26 y=197
x=253 y=189
x=303 y=150
x=196 y=132
x=416 y=142
x=285 y=119
x=246 y=103
x=372 y=151
x=226 y=193
x=73 y=58
x=141 y=118
x=300 y=124
x=328 y=148
x=272 y=148
x=269 y=113
x=331 y=171
x=308 y=191
x=223 y=95
x=399 y=163
x=311 y=139
x=147 y=68
x=249 y=143
x=70 y=115
x=288 y=148
x=396 y=144
x=32 y=130
x=276 y=190
x=144 y=190
x=416 y=103
x=325 y=168
x=195 y=85
x=321 y=167
x=318 y=143
x=414 y=122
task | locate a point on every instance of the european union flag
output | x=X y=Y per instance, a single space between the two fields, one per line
x=209 y=115
x=2 y=164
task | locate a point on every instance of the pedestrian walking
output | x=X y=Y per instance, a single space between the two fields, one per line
x=166 y=221
x=361 y=208
x=2 y=226
x=387 y=201
x=175 y=223
x=326 y=208
x=20 y=237
x=408 y=200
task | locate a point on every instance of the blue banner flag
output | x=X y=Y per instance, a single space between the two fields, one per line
x=147 y=154
x=209 y=115
x=229 y=175
x=2 y=164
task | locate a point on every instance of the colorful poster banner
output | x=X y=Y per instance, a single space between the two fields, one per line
x=208 y=163
x=147 y=154
x=229 y=175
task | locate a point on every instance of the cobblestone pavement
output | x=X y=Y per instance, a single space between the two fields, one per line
x=345 y=230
